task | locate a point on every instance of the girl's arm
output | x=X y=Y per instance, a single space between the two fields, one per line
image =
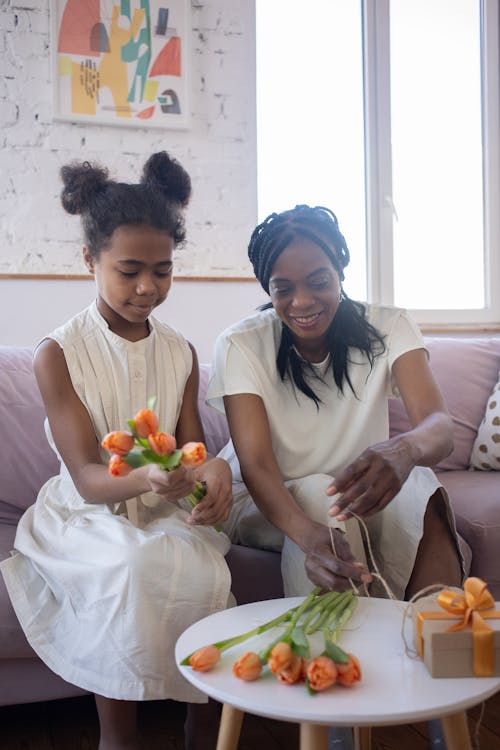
x=77 y=443
x=251 y=437
x=215 y=472
x=370 y=482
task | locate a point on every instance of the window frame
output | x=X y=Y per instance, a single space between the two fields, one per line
x=378 y=165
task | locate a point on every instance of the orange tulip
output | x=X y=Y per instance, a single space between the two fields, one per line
x=204 y=659
x=193 y=454
x=248 y=667
x=118 y=442
x=321 y=673
x=117 y=466
x=280 y=658
x=162 y=443
x=293 y=673
x=349 y=673
x=146 y=423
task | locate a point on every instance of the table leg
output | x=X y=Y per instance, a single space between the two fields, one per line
x=230 y=727
x=456 y=731
x=362 y=738
x=313 y=737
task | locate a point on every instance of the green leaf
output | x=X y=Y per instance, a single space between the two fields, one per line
x=310 y=689
x=172 y=461
x=135 y=459
x=335 y=653
x=151 y=402
x=300 y=644
x=152 y=457
x=131 y=424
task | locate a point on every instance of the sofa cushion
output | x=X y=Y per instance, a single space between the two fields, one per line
x=214 y=423
x=255 y=573
x=25 y=449
x=486 y=449
x=475 y=499
x=465 y=368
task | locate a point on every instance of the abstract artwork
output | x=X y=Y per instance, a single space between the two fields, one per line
x=121 y=62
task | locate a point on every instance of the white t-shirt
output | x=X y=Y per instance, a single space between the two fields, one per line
x=307 y=439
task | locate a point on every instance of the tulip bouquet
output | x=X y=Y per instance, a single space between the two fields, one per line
x=145 y=444
x=288 y=655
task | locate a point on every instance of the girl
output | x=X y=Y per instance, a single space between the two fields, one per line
x=108 y=571
x=304 y=384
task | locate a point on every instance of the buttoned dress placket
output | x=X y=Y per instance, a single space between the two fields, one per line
x=139 y=400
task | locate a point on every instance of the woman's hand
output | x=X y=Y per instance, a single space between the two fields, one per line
x=215 y=507
x=372 y=480
x=172 y=485
x=329 y=570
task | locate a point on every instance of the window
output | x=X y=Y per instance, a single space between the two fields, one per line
x=387 y=112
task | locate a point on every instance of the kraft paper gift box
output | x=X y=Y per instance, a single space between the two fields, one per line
x=471 y=651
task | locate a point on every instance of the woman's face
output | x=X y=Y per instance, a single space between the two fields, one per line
x=305 y=291
x=133 y=275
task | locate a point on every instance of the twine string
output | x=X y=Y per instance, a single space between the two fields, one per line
x=405 y=607
x=376 y=572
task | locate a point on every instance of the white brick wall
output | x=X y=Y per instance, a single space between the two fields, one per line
x=218 y=149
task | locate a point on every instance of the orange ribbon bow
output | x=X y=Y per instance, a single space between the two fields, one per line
x=474 y=606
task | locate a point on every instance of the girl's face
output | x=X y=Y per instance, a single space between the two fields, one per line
x=133 y=275
x=305 y=291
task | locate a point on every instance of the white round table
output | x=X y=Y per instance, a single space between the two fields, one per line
x=395 y=688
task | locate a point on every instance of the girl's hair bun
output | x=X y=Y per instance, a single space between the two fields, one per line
x=166 y=174
x=82 y=181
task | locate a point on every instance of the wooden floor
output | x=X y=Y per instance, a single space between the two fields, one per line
x=71 y=724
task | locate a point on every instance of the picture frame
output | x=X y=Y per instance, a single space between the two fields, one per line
x=121 y=62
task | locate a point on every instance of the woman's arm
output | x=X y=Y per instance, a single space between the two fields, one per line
x=215 y=472
x=251 y=437
x=77 y=443
x=373 y=479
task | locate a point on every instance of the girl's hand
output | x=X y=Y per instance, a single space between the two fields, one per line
x=333 y=572
x=217 y=503
x=372 y=480
x=172 y=485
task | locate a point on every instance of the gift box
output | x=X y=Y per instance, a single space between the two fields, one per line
x=457 y=634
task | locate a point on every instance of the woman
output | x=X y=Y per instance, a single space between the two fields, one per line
x=304 y=384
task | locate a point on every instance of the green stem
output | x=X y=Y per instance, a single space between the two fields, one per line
x=286 y=636
x=234 y=640
x=344 y=617
x=343 y=612
x=198 y=494
x=342 y=602
x=310 y=598
x=319 y=613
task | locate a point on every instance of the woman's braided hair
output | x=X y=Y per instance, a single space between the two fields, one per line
x=349 y=328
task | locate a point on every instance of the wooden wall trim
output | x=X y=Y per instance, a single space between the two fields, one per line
x=87 y=277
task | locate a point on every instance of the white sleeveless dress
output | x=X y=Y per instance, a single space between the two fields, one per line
x=102 y=592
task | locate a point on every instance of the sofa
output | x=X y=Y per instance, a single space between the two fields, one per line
x=466 y=368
